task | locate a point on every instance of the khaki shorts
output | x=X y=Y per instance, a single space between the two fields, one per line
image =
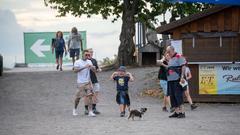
x=84 y=89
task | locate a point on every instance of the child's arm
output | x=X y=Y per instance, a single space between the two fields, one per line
x=131 y=77
x=113 y=75
x=162 y=64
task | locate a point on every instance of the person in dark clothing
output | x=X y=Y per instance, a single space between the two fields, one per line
x=96 y=86
x=162 y=76
x=122 y=78
x=58 y=44
x=176 y=70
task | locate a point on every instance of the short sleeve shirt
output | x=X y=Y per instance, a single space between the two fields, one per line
x=187 y=70
x=122 y=82
x=174 y=67
x=59 y=44
x=75 y=41
x=84 y=75
x=162 y=75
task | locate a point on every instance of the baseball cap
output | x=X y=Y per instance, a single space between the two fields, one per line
x=122 y=68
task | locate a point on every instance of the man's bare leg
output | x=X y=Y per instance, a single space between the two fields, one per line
x=76 y=102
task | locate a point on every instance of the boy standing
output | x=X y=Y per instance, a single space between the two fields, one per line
x=122 y=78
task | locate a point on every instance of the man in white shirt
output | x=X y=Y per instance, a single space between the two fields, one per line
x=82 y=67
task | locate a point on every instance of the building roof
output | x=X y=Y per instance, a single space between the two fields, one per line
x=165 y=29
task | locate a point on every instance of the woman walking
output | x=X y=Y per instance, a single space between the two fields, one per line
x=59 y=46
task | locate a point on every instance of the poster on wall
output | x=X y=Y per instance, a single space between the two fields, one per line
x=177 y=44
x=219 y=79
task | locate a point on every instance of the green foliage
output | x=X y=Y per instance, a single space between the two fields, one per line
x=107 y=61
x=143 y=10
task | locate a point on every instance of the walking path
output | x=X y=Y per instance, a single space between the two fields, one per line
x=40 y=103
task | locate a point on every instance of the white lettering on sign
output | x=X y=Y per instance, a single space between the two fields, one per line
x=38 y=47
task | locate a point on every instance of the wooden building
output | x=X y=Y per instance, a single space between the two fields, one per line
x=211 y=44
x=148 y=55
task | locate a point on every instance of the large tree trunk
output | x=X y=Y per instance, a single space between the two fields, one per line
x=127 y=46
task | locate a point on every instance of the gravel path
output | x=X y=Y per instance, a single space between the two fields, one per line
x=41 y=104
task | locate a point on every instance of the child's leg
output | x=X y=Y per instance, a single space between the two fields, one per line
x=187 y=94
x=165 y=101
x=128 y=108
x=124 y=108
x=121 y=107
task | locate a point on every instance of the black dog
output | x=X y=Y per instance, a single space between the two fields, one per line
x=137 y=113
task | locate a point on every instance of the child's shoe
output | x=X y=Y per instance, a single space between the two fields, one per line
x=122 y=114
x=193 y=106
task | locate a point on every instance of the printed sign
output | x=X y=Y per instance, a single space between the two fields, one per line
x=37 y=46
x=219 y=79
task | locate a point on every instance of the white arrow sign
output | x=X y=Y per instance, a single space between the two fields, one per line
x=38 y=48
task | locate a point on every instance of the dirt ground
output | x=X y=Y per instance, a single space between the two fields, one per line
x=40 y=103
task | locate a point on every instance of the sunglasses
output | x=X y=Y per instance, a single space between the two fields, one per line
x=87 y=55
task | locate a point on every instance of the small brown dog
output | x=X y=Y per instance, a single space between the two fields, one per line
x=137 y=113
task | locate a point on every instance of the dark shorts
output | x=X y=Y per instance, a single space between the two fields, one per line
x=59 y=54
x=175 y=91
x=123 y=98
x=74 y=52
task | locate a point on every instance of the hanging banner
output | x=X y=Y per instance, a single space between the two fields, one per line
x=219 y=79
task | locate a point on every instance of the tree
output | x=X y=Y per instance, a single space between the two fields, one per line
x=131 y=11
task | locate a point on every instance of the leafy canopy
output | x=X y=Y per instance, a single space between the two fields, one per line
x=142 y=10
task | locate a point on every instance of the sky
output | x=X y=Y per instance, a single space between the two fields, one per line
x=18 y=16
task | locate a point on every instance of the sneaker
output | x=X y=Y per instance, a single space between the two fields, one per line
x=181 y=115
x=164 y=109
x=174 y=115
x=96 y=111
x=91 y=114
x=86 y=112
x=61 y=69
x=57 y=67
x=122 y=114
x=193 y=106
x=75 y=112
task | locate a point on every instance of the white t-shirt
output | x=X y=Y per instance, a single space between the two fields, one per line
x=187 y=70
x=84 y=75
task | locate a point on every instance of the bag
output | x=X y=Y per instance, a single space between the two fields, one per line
x=183 y=84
